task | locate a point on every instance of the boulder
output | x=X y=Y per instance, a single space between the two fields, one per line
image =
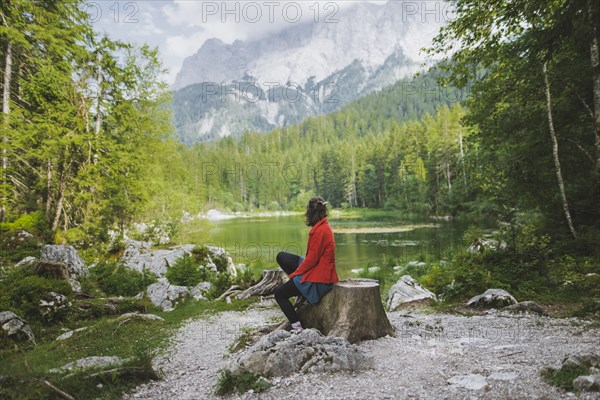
x=480 y=245
x=143 y=317
x=90 y=362
x=281 y=353
x=15 y=327
x=492 y=298
x=530 y=307
x=53 y=304
x=138 y=256
x=199 y=291
x=584 y=359
x=406 y=290
x=470 y=381
x=164 y=295
x=68 y=255
x=587 y=383
x=27 y=261
x=68 y=334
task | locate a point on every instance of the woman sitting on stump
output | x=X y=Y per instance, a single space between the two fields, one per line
x=313 y=276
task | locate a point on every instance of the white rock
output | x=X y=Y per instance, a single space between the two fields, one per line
x=200 y=290
x=25 y=262
x=163 y=294
x=470 y=381
x=67 y=335
x=496 y=298
x=406 y=290
x=67 y=255
x=90 y=362
x=139 y=257
x=588 y=383
x=134 y=315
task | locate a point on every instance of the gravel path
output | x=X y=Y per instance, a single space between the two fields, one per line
x=494 y=356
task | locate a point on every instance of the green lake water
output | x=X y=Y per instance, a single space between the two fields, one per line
x=366 y=241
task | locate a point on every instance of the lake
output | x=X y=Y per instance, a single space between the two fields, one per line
x=364 y=241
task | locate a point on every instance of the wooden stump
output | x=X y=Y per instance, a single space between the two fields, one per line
x=352 y=310
x=271 y=279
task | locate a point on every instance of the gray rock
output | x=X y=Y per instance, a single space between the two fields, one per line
x=15 y=327
x=470 y=381
x=492 y=298
x=406 y=290
x=67 y=255
x=281 y=353
x=480 y=245
x=526 y=307
x=164 y=295
x=75 y=285
x=54 y=303
x=90 y=362
x=582 y=359
x=25 y=262
x=146 y=317
x=138 y=256
x=199 y=291
x=67 y=335
x=587 y=383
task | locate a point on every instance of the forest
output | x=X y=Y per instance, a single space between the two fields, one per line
x=508 y=126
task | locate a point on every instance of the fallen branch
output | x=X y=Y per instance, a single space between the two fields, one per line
x=56 y=390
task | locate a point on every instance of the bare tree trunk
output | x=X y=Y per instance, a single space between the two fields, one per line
x=462 y=156
x=595 y=59
x=559 y=176
x=49 y=192
x=59 y=205
x=98 y=108
x=5 y=122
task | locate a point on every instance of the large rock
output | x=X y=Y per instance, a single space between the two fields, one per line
x=200 y=290
x=53 y=304
x=530 y=307
x=492 y=298
x=406 y=290
x=281 y=353
x=480 y=245
x=164 y=295
x=68 y=255
x=587 y=383
x=138 y=256
x=90 y=362
x=15 y=327
x=470 y=381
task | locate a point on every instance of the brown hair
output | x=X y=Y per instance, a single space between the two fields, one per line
x=316 y=210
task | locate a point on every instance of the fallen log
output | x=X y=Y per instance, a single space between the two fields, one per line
x=271 y=279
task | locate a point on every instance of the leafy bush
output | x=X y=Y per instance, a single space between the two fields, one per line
x=185 y=272
x=228 y=382
x=22 y=293
x=200 y=254
x=437 y=279
x=116 y=279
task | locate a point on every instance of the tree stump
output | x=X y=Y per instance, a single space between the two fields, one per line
x=271 y=279
x=352 y=310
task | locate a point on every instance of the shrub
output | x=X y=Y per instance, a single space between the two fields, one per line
x=228 y=382
x=185 y=272
x=115 y=279
x=437 y=279
x=25 y=292
x=200 y=254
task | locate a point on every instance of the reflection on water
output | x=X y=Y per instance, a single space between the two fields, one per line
x=360 y=242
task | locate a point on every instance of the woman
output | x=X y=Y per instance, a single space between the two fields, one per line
x=313 y=276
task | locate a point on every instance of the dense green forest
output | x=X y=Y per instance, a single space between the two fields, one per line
x=88 y=147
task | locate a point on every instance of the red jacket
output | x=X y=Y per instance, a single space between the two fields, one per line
x=319 y=263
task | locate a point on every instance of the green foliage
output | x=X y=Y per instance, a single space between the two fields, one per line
x=437 y=279
x=22 y=292
x=186 y=272
x=228 y=383
x=116 y=279
x=563 y=377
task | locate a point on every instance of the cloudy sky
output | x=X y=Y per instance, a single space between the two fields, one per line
x=179 y=27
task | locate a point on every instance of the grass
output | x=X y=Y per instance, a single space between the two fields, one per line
x=229 y=382
x=23 y=370
x=563 y=377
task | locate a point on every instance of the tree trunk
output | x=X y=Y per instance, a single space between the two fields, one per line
x=99 y=96
x=271 y=280
x=352 y=310
x=5 y=122
x=559 y=176
x=595 y=59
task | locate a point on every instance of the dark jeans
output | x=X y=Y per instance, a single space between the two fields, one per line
x=289 y=263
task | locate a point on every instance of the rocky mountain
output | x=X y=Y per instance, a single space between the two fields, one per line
x=304 y=70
